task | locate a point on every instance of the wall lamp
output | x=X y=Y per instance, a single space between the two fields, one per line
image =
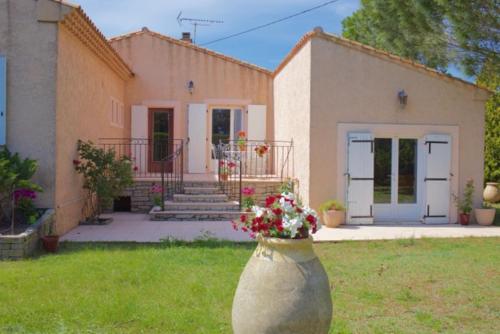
x=403 y=97
x=190 y=86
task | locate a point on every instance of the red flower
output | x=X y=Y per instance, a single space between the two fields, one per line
x=221 y=163
x=136 y=168
x=270 y=200
x=243 y=218
x=231 y=164
x=299 y=210
x=311 y=219
x=244 y=229
x=76 y=162
x=277 y=211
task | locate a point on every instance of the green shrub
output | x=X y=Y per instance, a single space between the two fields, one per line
x=331 y=205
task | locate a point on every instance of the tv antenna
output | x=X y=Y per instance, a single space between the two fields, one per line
x=196 y=23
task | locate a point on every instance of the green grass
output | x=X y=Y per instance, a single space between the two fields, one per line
x=411 y=286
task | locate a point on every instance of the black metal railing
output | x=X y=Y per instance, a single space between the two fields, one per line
x=251 y=159
x=172 y=174
x=147 y=155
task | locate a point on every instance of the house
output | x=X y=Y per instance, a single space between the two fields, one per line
x=389 y=137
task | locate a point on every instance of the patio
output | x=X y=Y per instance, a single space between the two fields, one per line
x=138 y=228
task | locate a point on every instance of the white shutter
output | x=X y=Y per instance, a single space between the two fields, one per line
x=256 y=122
x=3 y=100
x=360 y=178
x=197 y=132
x=139 y=133
x=437 y=179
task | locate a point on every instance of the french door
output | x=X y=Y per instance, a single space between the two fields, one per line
x=225 y=123
x=161 y=134
x=396 y=190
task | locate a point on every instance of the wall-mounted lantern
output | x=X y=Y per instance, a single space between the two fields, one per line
x=190 y=86
x=403 y=97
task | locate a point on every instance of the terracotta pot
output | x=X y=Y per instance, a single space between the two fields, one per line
x=50 y=243
x=242 y=147
x=224 y=177
x=485 y=216
x=491 y=192
x=283 y=289
x=333 y=218
x=464 y=218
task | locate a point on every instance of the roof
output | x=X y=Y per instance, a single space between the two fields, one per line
x=191 y=46
x=78 y=22
x=318 y=33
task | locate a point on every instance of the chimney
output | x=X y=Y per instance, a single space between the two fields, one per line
x=186 y=37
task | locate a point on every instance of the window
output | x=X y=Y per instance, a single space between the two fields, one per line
x=116 y=114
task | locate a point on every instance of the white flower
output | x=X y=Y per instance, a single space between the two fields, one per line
x=292 y=225
x=286 y=205
x=288 y=195
x=259 y=212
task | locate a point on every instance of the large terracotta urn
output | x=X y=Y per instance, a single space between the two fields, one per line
x=283 y=289
x=491 y=192
x=333 y=218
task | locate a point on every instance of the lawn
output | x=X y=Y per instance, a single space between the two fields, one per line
x=405 y=286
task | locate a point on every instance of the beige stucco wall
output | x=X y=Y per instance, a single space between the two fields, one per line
x=28 y=37
x=163 y=69
x=351 y=86
x=292 y=110
x=85 y=85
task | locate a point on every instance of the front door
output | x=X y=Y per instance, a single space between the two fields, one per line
x=396 y=195
x=225 y=123
x=161 y=134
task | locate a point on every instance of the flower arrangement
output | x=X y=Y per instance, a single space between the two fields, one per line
x=281 y=217
x=248 y=197
x=242 y=141
x=226 y=167
x=261 y=150
x=156 y=190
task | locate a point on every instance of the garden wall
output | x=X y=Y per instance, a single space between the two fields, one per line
x=20 y=246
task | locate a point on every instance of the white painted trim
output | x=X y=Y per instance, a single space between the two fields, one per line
x=228 y=102
x=400 y=131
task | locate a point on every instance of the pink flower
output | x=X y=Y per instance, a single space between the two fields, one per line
x=136 y=168
x=156 y=188
x=248 y=191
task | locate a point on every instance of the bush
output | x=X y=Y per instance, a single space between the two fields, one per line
x=331 y=205
x=105 y=176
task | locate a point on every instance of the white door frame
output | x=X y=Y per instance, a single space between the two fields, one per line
x=395 y=130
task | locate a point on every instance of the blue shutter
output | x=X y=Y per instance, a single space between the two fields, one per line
x=3 y=100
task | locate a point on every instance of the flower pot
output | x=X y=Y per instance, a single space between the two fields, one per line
x=464 y=218
x=283 y=289
x=333 y=218
x=242 y=147
x=491 y=192
x=485 y=216
x=224 y=177
x=50 y=243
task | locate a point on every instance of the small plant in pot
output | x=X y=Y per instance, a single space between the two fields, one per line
x=225 y=169
x=333 y=213
x=242 y=141
x=248 y=200
x=485 y=215
x=105 y=177
x=464 y=204
x=156 y=191
x=50 y=241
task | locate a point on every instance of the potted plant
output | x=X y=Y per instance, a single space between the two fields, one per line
x=105 y=176
x=156 y=191
x=485 y=215
x=50 y=241
x=464 y=204
x=248 y=200
x=242 y=141
x=261 y=150
x=333 y=213
x=283 y=277
x=225 y=169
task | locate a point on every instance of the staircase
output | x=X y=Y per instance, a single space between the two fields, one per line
x=200 y=201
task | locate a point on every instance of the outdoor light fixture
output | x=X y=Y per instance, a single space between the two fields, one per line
x=403 y=97
x=190 y=86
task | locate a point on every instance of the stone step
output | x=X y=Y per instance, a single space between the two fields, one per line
x=194 y=215
x=201 y=206
x=201 y=190
x=200 y=198
x=200 y=184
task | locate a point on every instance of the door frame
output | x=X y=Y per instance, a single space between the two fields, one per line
x=154 y=166
x=339 y=188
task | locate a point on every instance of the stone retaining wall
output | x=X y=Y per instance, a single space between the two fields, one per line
x=20 y=246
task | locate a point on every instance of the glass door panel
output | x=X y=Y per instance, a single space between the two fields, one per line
x=221 y=126
x=407 y=171
x=382 y=171
x=161 y=126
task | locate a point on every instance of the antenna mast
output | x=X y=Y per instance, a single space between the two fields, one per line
x=196 y=23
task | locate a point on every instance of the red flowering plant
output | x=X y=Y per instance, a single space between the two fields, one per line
x=156 y=190
x=226 y=167
x=282 y=217
x=261 y=150
x=242 y=140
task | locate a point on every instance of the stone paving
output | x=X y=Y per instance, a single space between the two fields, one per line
x=138 y=228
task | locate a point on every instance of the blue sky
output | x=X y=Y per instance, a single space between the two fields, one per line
x=265 y=47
